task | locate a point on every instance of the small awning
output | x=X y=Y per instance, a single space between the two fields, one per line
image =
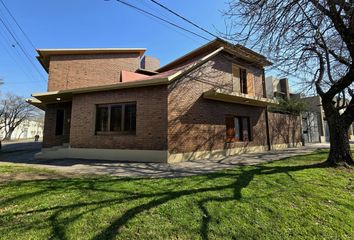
x=41 y=100
x=35 y=102
x=54 y=97
x=240 y=98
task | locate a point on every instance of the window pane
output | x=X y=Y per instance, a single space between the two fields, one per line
x=59 y=127
x=237 y=129
x=102 y=119
x=130 y=117
x=116 y=118
x=230 y=129
x=243 y=82
x=245 y=129
x=236 y=78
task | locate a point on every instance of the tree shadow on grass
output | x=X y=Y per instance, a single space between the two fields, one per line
x=240 y=180
x=240 y=183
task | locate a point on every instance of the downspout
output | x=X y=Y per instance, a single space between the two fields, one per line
x=267 y=128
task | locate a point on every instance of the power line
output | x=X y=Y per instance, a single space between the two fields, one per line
x=153 y=8
x=21 y=47
x=17 y=24
x=201 y=28
x=14 y=58
x=168 y=26
x=185 y=19
x=161 y=19
x=190 y=22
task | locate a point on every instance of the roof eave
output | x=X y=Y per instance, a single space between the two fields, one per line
x=51 y=97
x=261 y=60
x=45 y=54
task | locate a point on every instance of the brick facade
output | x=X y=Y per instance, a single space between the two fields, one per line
x=77 y=71
x=151 y=119
x=150 y=63
x=284 y=128
x=198 y=124
x=50 y=139
x=172 y=117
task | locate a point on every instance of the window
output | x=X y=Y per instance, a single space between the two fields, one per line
x=243 y=80
x=239 y=79
x=116 y=118
x=238 y=129
x=59 y=124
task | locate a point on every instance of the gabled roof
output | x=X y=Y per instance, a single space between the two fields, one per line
x=45 y=54
x=237 y=50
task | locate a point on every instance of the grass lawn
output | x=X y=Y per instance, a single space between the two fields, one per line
x=287 y=199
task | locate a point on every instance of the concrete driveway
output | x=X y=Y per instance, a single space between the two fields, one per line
x=22 y=153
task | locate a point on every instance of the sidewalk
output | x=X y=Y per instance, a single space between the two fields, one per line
x=101 y=167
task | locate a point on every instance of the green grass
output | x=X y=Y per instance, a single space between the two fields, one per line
x=287 y=199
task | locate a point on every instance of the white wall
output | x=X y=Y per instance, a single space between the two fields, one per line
x=27 y=129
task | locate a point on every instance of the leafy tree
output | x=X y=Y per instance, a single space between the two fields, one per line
x=292 y=106
x=313 y=39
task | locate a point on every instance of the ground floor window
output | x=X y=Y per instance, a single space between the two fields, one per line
x=116 y=118
x=238 y=129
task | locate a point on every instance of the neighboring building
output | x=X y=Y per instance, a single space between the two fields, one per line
x=117 y=104
x=279 y=88
x=312 y=124
x=28 y=129
x=316 y=123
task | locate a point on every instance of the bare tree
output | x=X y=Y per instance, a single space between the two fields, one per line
x=15 y=111
x=312 y=39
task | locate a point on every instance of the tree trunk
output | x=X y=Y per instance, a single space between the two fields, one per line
x=9 y=134
x=340 y=153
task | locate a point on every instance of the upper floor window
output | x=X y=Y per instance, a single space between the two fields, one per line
x=116 y=118
x=238 y=129
x=239 y=79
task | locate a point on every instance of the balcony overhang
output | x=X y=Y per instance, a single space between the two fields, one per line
x=239 y=98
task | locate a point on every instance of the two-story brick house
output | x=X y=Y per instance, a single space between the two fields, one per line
x=118 y=104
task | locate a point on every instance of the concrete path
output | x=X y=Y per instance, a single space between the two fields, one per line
x=22 y=153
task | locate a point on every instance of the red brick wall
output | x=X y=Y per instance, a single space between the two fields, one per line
x=49 y=137
x=150 y=63
x=151 y=119
x=77 y=71
x=197 y=124
x=284 y=128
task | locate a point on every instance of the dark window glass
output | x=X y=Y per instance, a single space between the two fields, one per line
x=59 y=127
x=238 y=129
x=245 y=130
x=102 y=119
x=130 y=117
x=243 y=80
x=230 y=128
x=116 y=118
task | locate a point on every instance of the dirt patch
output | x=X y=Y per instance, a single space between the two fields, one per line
x=25 y=176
